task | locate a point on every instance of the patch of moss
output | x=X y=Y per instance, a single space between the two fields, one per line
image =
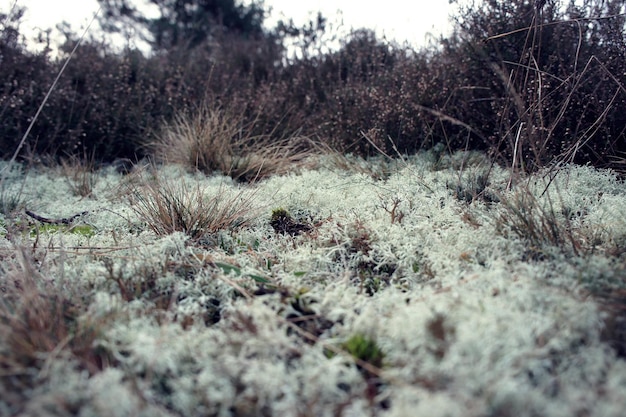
x=283 y=222
x=363 y=348
x=83 y=230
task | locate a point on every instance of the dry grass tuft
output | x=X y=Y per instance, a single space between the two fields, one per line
x=10 y=201
x=203 y=141
x=80 y=174
x=217 y=140
x=171 y=205
x=40 y=322
x=264 y=157
x=536 y=220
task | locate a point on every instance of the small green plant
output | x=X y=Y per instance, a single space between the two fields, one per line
x=82 y=230
x=368 y=357
x=364 y=349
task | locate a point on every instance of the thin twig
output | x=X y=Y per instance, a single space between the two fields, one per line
x=45 y=99
x=578 y=20
x=66 y=220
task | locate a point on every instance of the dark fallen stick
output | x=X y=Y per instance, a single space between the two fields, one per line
x=66 y=220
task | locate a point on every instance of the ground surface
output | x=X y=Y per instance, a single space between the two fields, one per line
x=452 y=303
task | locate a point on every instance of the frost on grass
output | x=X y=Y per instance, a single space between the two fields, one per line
x=434 y=261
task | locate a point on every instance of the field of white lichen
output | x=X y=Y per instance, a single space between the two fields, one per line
x=388 y=288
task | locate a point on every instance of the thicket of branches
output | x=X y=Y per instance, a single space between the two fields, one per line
x=531 y=82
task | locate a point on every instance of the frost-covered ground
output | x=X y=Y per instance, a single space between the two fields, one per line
x=450 y=309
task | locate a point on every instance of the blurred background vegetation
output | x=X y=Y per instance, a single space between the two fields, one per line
x=530 y=82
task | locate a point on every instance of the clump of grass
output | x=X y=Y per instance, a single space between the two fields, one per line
x=217 y=140
x=377 y=169
x=40 y=322
x=11 y=198
x=80 y=174
x=264 y=156
x=10 y=201
x=473 y=187
x=537 y=222
x=171 y=205
x=203 y=141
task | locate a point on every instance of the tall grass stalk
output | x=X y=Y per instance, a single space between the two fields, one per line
x=54 y=83
x=9 y=201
